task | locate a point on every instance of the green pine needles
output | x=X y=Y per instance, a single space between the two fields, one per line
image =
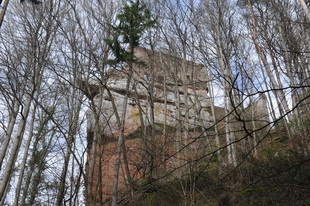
x=134 y=19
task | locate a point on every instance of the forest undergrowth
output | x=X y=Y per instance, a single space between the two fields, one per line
x=279 y=176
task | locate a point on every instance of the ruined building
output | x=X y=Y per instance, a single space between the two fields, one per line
x=168 y=112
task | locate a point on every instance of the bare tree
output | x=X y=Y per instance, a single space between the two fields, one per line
x=34 y=64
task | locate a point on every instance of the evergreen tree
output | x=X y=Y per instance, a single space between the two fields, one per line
x=134 y=19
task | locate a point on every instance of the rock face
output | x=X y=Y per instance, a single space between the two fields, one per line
x=159 y=89
x=168 y=104
x=167 y=122
x=163 y=105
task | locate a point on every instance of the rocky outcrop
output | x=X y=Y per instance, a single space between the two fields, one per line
x=167 y=123
x=163 y=105
x=168 y=103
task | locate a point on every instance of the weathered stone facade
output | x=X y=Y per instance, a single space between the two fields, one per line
x=167 y=123
x=168 y=102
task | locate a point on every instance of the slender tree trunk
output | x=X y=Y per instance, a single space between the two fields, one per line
x=73 y=125
x=28 y=177
x=62 y=181
x=178 y=134
x=185 y=81
x=165 y=124
x=143 y=127
x=120 y=142
x=24 y=159
x=38 y=176
x=253 y=119
x=93 y=152
x=9 y=131
x=96 y=149
x=152 y=121
x=118 y=120
x=278 y=78
x=217 y=138
x=15 y=148
x=224 y=69
x=3 y=11
x=278 y=92
x=11 y=124
x=252 y=108
x=305 y=8
x=91 y=169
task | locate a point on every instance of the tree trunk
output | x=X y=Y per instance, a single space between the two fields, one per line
x=121 y=138
x=24 y=159
x=278 y=92
x=9 y=131
x=305 y=8
x=225 y=72
x=11 y=124
x=214 y=120
x=73 y=125
x=15 y=148
x=3 y=11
